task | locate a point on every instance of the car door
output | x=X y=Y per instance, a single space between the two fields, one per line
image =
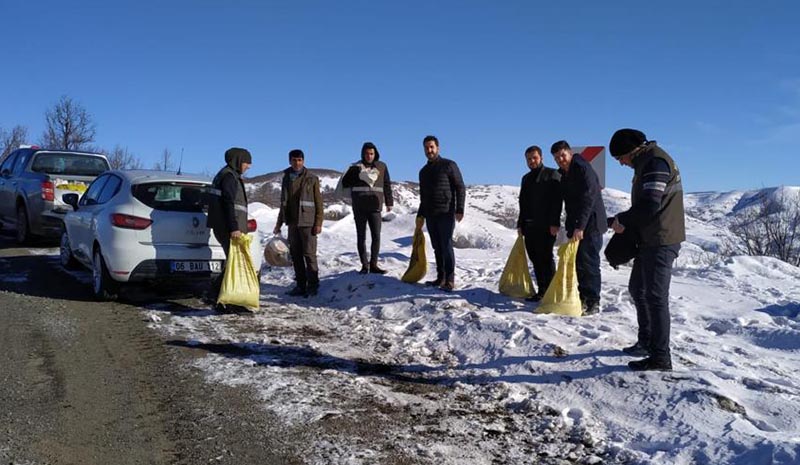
x=7 y=187
x=102 y=212
x=80 y=223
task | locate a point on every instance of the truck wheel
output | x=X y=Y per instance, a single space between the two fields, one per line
x=23 y=227
x=103 y=286
x=65 y=253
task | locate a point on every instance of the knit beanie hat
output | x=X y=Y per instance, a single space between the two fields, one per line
x=625 y=140
x=297 y=153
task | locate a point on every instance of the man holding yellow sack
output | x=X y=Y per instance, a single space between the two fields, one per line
x=585 y=222
x=539 y=217
x=227 y=208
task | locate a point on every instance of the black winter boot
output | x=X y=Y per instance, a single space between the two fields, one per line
x=650 y=364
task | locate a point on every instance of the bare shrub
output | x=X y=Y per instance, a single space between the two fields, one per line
x=120 y=158
x=11 y=140
x=770 y=228
x=68 y=126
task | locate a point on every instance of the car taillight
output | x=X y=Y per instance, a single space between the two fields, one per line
x=251 y=225
x=48 y=191
x=130 y=222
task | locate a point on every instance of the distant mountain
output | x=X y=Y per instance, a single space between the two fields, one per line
x=266 y=188
x=500 y=204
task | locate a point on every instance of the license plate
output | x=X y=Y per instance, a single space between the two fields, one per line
x=196 y=266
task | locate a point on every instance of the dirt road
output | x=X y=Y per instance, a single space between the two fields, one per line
x=83 y=382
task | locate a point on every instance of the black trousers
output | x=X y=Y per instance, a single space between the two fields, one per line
x=303 y=248
x=440 y=228
x=373 y=219
x=587 y=267
x=649 y=288
x=539 y=245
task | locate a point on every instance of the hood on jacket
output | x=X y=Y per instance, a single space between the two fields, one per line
x=235 y=156
x=370 y=145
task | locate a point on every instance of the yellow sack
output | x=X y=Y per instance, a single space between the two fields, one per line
x=418 y=265
x=516 y=278
x=240 y=283
x=562 y=296
x=74 y=187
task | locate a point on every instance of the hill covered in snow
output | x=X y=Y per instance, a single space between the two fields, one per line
x=476 y=377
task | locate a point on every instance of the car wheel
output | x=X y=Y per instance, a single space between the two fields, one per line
x=103 y=286
x=23 y=227
x=65 y=253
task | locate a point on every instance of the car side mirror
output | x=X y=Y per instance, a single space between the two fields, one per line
x=71 y=199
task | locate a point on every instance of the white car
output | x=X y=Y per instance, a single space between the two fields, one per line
x=143 y=226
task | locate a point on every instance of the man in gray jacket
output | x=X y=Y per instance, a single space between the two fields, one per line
x=301 y=209
x=657 y=217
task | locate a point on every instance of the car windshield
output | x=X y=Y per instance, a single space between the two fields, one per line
x=69 y=164
x=172 y=196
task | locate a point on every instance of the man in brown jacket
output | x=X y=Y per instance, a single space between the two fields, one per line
x=301 y=210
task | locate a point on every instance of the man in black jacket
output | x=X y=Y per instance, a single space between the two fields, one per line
x=585 y=222
x=227 y=207
x=370 y=186
x=657 y=217
x=441 y=204
x=539 y=217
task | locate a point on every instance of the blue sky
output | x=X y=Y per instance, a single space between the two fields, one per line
x=717 y=83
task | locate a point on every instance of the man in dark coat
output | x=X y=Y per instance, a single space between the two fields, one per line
x=370 y=187
x=657 y=218
x=301 y=209
x=585 y=222
x=227 y=207
x=441 y=203
x=539 y=217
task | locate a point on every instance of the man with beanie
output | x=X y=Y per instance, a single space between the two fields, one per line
x=227 y=208
x=657 y=217
x=301 y=210
x=441 y=203
x=585 y=222
x=370 y=186
x=539 y=217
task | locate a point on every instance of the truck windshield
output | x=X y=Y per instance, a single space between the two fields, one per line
x=69 y=164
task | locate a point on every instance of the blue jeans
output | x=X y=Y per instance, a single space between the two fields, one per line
x=440 y=228
x=649 y=288
x=587 y=267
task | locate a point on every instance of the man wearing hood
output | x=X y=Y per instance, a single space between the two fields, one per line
x=370 y=187
x=227 y=208
x=301 y=210
x=657 y=219
x=540 y=217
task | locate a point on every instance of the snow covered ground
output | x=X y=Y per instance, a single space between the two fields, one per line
x=488 y=381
